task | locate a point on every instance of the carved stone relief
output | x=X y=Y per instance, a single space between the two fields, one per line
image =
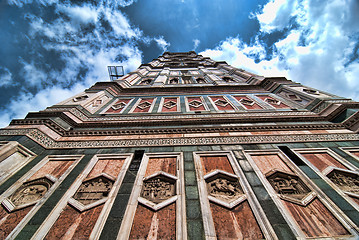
x=30 y=192
x=346 y=181
x=93 y=190
x=290 y=187
x=158 y=189
x=224 y=188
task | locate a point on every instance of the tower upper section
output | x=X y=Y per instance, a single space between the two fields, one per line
x=187 y=69
x=186 y=89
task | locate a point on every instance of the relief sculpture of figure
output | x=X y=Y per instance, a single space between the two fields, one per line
x=224 y=188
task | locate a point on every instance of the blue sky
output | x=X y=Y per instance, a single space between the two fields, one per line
x=54 y=49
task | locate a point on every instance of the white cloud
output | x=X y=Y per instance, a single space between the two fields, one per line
x=80 y=14
x=27 y=102
x=237 y=53
x=317 y=52
x=5 y=77
x=162 y=43
x=276 y=15
x=196 y=43
x=83 y=55
x=32 y=75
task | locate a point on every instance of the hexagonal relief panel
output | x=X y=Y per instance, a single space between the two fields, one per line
x=224 y=188
x=92 y=192
x=347 y=181
x=290 y=187
x=195 y=103
x=158 y=190
x=28 y=193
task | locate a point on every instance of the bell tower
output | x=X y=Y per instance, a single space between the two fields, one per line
x=184 y=147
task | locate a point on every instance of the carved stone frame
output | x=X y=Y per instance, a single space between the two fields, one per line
x=248 y=194
x=138 y=102
x=67 y=198
x=114 y=103
x=202 y=101
x=37 y=205
x=181 y=226
x=228 y=101
x=253 y=98
x=178 y=105
x=340 y=216
x=350 y=150
x=351 y=169
x=9 y=148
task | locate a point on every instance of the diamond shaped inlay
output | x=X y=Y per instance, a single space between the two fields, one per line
x=174 y=81
x=93 y=190
x=144 y=105
x=221 y=102
x=345 y=180
x=158 y=188
x=310 y=91
x=170 y=104
x=200 y=80
x=195 y=103
x=246 y=102
x=228 y=79
x=272 y=101
x=96 y=103
x=80 y=98
x=119 y=106
x=294 y=97
x=145 y=82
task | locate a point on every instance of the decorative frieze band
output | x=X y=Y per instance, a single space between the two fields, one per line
x=76 y=112
x=48 y=142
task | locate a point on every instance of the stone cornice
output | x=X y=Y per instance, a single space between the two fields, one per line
x=171 y=130
x=47 y=142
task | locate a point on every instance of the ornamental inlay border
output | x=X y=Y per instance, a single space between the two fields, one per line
x=48 y=142
x=76 y=112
